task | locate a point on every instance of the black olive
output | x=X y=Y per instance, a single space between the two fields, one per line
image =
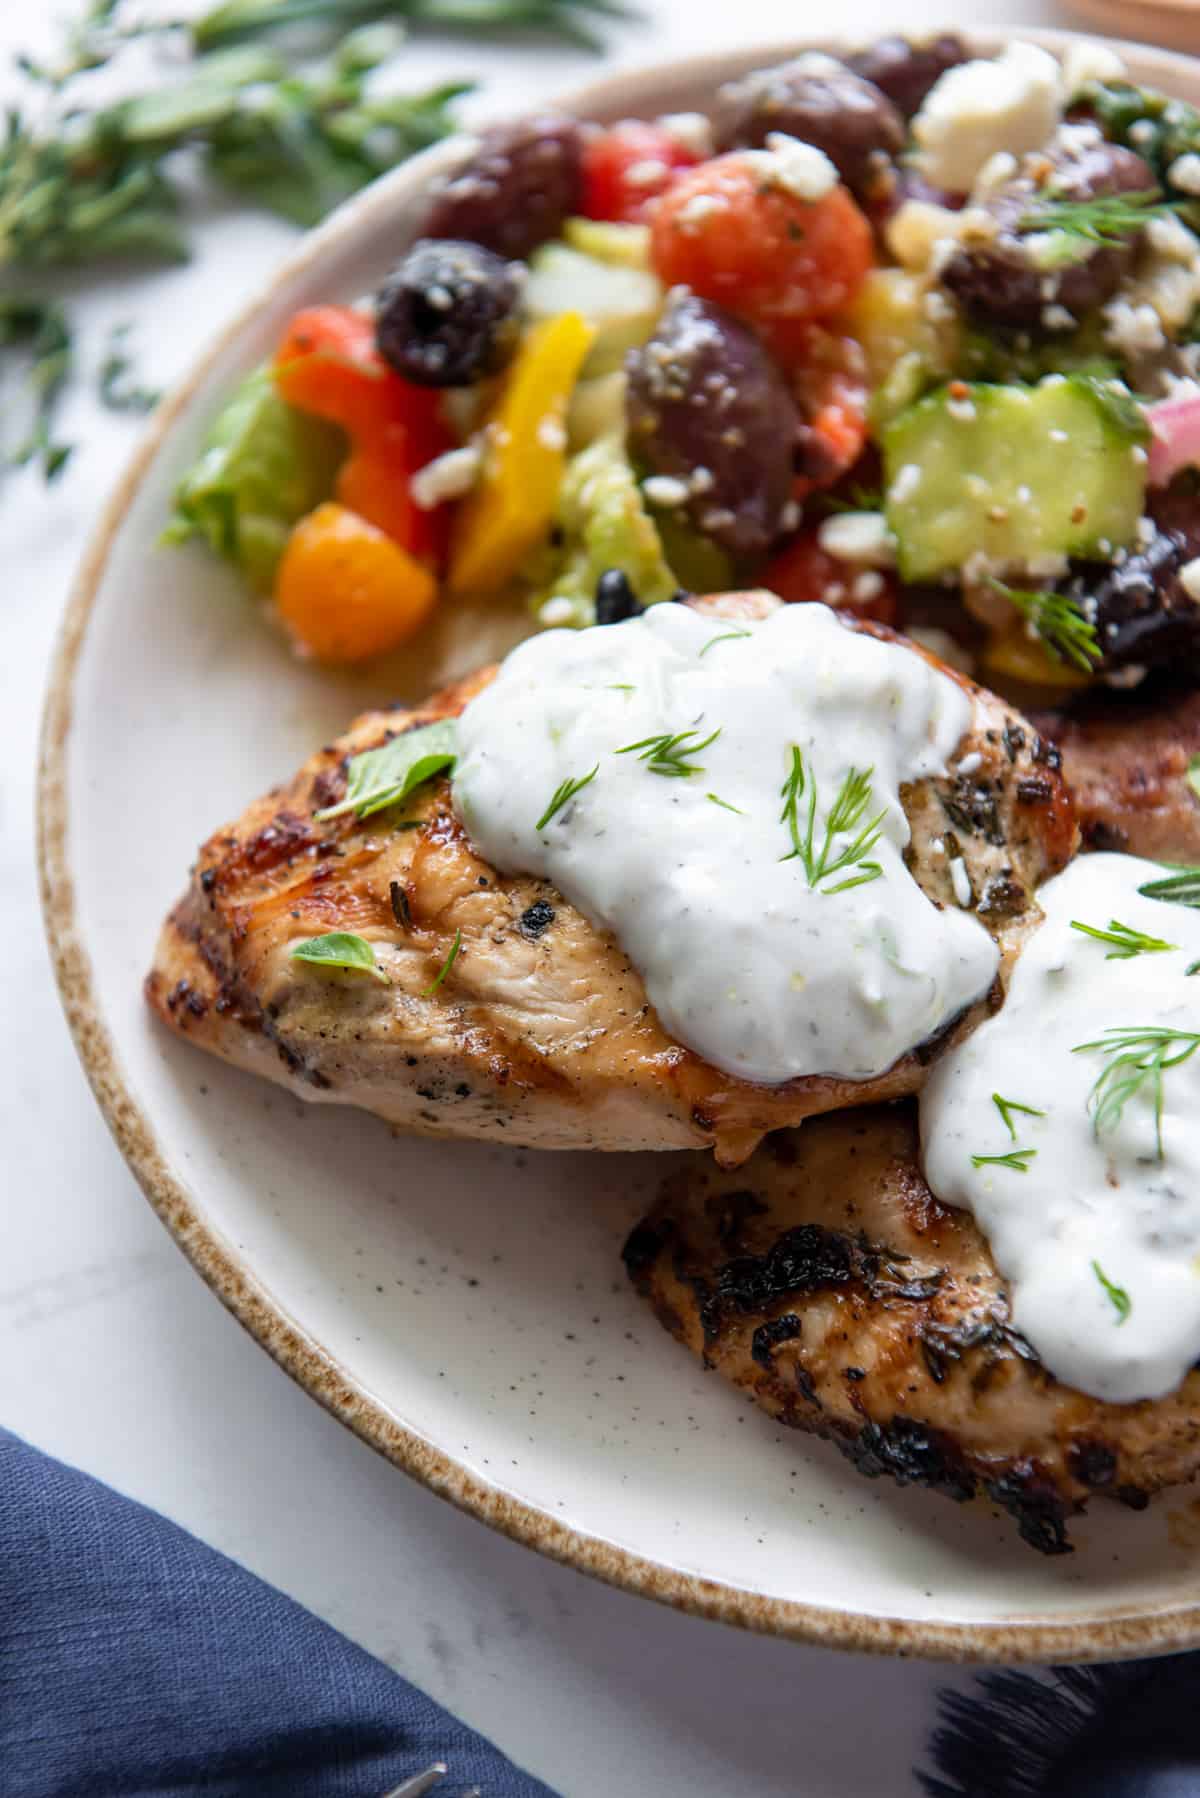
x=905 y=70
x=1143 y=615
x=615 y=598
x=518 y=188
x=819 y=101
x=447 y=314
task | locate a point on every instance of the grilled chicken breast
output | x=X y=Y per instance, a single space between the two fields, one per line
x=539 y=1031
x=1126 y=761
x=826 y=1281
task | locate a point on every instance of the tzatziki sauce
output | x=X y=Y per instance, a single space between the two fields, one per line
x=724 y=797
x=1069 y=1125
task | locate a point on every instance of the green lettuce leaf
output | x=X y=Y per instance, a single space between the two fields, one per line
x=263 y=466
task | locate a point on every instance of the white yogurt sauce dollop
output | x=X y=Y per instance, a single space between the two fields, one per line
x=1100 y=1235
x=766 y=976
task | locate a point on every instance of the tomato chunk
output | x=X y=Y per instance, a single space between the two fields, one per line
x=346 y=591
x=804 y=572
x=626 y=169
x=829 y=380
x=733 y=235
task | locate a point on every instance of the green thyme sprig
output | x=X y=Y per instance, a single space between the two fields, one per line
x=1126 y=942
x=38 y=330
x=1137 y=1059
x=1060 y=622
x=670 y=755
x=846 y=815
x=563 y=794
x=1104 y=219
x=1122 y=1304
x=1016 y=1159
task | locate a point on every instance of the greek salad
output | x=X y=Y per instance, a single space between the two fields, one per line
x=910 y=332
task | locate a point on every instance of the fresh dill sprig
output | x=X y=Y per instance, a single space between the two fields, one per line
x=1105 y=219
x=845 y=815
x=563 y=794
x=1126 y=942
x=1006 y=1107
x=669 y=755
x=725 y=637
x=38 y=329
x=119 y=389
x=1122 y=1304
x=1059 y=621
x=1180 y=888
x=1137 y=1057
x=1016 y=1159
x=725 y=805
x=445 y=968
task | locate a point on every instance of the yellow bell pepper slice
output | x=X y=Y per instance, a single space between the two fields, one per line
x=512 y=509
x=1016 y=655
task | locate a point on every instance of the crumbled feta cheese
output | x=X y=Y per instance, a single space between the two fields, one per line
x=1075 y=139
x=556 y=610
x=1142 y=133
x=961 y=409
x=970 y=764
x=946 y=648
x=867 y=586
x=1057 y=436
x=1140 y=455
x=551 y=434
x=1090 y=60
x=1057 y=318
x=938 y=307
x=1189 y=579
x=975 y=484
x=439 y=297
x=1046 y=565
x=800 y=169
x=1131 y=676
x=960 y=880
x=789 y=518
x=647 y=173
x=691 y=129
x=1184 y=173
x=1147 y=531
x=1010 y=102
x=693 y=212
x=717 y=519
x=1024 y=495
x=701 y=480
x=906 y=483
x=858 y=537
x=1132 y=329
x=916 y=228
x=448 y=477
x=995 y=172
x=1170 y=238
x=666 y=490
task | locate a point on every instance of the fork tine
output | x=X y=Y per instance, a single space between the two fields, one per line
x=421 y=1783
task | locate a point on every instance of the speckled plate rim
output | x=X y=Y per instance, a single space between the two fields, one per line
x=1107 y=1634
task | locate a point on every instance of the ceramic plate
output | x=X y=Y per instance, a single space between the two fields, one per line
x=461 y=1307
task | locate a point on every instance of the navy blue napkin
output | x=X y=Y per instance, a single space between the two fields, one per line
x=133 y=1659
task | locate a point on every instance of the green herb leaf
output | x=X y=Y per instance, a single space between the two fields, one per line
x=1193 y=774
x=725 y=805
x=1059 y=622
x=563 y=794
x=725 y=637
x=1126 y=942
x=119 y=391
x=1121 y=1302
x=445 y=968
x=1016 y=1159
x=340 y=949
x=1137 y=1058
x=1180 y=888
x=669 y=755
x=1105 y=219
x=845 y=815
x=1006 y=1107
x=387 y=775
x=39 y=329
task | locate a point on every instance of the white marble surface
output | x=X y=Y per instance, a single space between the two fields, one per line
x=115 y=1357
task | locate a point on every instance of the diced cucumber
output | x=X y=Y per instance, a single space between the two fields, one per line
x=625 y=245
x=621 y=303
x=1013 y=473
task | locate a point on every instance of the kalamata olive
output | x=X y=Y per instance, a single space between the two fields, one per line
x=1143 y=614
x=615 y=598
x=447 y=313
x=708 y=408
x=516 y=190
x=905 y=69
x=820 y=101
x=997 y=277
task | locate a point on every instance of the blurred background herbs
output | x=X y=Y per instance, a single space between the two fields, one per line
x=272 y=101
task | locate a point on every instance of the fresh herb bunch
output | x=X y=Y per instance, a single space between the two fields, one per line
x=1159 y=128
x=1105 y=219
x=81 y=184
x=847 y=814
x=1136 y=1058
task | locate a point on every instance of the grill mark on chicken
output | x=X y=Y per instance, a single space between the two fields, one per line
x=541 y=1034
x=862 y=1309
